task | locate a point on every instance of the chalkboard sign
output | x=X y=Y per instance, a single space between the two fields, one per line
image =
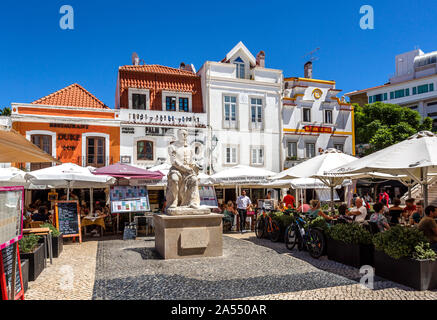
x=6 y=260
x=68 y=219
x=130 y=231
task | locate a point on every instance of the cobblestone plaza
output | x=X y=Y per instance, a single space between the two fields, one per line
x=250 y=268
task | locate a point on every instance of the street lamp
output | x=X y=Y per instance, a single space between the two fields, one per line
x=214 y=142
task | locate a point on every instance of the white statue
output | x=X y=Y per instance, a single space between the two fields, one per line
x=182 y=194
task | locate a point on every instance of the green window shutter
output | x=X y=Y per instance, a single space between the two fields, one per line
x=431 y=87
x=385 y=96
x=414 y=90
x=392 y=95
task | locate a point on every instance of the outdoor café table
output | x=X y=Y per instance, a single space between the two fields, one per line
x=47 y=234
x=94 y=221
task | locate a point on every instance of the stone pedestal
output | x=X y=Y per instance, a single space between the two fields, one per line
x=189 y=236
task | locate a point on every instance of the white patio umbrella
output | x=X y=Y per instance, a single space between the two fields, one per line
x=318 y=168
x=415 y=157
x=164 y=168
x=242 y=175
x=68 y=175
x=15 y=177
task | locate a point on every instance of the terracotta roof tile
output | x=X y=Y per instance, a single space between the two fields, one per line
x=72 y=96
x=155 y=68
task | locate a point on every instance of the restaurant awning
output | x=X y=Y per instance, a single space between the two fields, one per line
x=15 y=148
x=120 y=170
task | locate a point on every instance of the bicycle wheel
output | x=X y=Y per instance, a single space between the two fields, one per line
x=291 y=237
x=275 y=232
x=259 y=228
x=316 y=243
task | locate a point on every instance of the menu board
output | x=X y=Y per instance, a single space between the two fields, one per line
x=207 y=196
x=129 y=199
x=136 y=205
x=67 y=218
x=130 y=231
x=11 y=215
x=6 y=260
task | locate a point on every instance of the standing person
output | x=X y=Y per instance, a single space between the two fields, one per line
x=289 y=199
x=243 y=203
x=269 y=195
x=384 y=198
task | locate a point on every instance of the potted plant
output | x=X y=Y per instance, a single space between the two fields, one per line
x=25 y=273
x=32 y=250
x=57 y=240
x=403 y=255
x=350 y=244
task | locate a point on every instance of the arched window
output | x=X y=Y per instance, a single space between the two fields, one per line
x=145 y=150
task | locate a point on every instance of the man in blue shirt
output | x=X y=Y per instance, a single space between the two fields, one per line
x=243 y=203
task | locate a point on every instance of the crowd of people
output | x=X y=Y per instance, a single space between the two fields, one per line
x=384 y=216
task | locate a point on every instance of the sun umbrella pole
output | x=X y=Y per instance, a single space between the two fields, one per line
x=425 y=186
x=91 y=200
x=68 y=190
x=332 y=199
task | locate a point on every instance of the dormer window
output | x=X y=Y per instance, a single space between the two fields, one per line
x=240 y=68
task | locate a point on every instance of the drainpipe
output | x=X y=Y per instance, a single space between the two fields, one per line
x=281 y=133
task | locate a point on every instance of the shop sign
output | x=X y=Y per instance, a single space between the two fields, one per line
x=128 y=130
x=158 y=131
x=68 y=126
x=68 y=137
x=125 y=159
x=317 y=129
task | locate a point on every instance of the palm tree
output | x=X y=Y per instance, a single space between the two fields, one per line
x=6 y=111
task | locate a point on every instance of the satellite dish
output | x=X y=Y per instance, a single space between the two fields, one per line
x=135 y=59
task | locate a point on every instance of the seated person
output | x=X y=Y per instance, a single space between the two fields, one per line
x=289 y=211
x=315 y=211
x=379 y=218
x=41 y=215
x=395 y=211
x=409 y=209
x=359 y=212
x=428 y=226
x=303 y=207
x=417 y=215
x=228 y=215
x=342 y=209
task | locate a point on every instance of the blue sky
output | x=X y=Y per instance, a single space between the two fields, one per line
x=38 y=58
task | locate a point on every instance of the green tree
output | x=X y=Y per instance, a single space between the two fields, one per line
x=380 y=125
x=6 y=111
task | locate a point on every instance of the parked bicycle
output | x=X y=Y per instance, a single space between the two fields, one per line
x=266 y=226
x=301 y=233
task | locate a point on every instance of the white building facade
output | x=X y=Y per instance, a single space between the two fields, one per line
x=314 y=119
x=413 y=85
x=242 y=100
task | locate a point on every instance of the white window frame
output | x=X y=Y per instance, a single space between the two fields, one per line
x=146 y=92
x=84 y=146
x=240 y=66
x=260 y=157
x=230 y=124
x=306 y=149
x=29 y=135
x=225 y=155
x=326 y=118
x=303 y=114
x=288 y=148
x=256 y=125
x=178 y=95
x=135 y=155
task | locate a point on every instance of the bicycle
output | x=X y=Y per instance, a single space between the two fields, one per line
x=301 y=233
x=265 y=225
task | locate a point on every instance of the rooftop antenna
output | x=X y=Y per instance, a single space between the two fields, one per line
x=311 y=56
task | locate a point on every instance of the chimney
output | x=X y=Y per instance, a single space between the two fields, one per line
x=135 y=59
x=182 y=66
x=261 y=59
x=308 y=70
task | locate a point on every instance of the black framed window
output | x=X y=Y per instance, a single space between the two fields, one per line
x=139 y=101
x=183 y=105
x=145 y=150
x=170 y=103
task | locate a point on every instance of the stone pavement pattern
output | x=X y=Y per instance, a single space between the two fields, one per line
x=54 y=281
x=251 y=268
